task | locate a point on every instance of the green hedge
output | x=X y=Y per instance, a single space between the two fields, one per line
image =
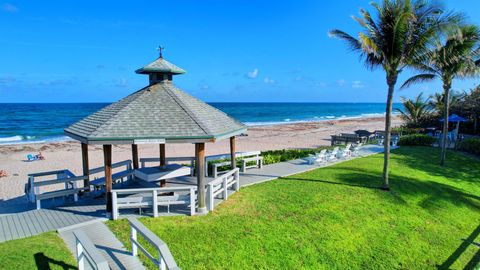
x=275 y=156
x=470 y=145
x=406 y=130
x=416 y=140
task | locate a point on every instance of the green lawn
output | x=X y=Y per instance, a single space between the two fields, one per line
x=336 y=218
x=44 y=251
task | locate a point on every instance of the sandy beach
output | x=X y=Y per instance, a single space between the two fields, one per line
x=67 y=155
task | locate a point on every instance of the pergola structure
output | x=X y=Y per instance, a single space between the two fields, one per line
x=159 y=113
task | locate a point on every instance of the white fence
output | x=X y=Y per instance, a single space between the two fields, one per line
x=87 y=253
x=164 y=260
x=149 y=197
x=220 y=186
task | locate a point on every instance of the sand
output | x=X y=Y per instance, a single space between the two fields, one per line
x=67 y=155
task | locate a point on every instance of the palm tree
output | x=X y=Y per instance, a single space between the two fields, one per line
x=455 y=57
x=401 y=31
x=415 y=110
x=437 y=103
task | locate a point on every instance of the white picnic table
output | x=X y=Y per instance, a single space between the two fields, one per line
x=152 y=174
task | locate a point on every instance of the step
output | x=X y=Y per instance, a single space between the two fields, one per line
x=109 y=246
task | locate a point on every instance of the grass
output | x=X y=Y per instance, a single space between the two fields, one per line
x=44 y=251
x=337 y=218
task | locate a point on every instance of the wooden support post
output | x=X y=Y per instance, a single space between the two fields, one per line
x=135 y=156
x=107 y=156
x=200 y=164
x=162 y=163
x=232 y=153
x=86 y=182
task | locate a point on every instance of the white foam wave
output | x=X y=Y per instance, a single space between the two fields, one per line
x=11 y=139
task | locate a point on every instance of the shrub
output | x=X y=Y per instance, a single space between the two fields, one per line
x=275 y=156
x=470 y=145
x=403 y=130
x=416 y=140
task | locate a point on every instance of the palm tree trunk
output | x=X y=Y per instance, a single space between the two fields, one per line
x=446 y=105
x=391 y=81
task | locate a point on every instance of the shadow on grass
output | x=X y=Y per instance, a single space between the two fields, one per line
x=474 y=262
x=43 y=262
x=458 y=165
x=430 y=194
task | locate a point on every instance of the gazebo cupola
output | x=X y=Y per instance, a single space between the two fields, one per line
x=160 y=70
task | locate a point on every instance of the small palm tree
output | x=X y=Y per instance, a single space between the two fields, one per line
x=437 y=103
x=401 y=31
x=456 y=57
x=415 y=110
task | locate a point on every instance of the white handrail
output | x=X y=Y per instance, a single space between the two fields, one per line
x=87 y=252
x=221 y=185
x=165 y=259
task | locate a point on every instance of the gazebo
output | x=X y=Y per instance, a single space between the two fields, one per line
x=159 y=113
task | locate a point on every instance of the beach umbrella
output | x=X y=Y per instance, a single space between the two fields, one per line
x=455 y=119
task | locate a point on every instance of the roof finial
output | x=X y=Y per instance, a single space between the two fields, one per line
x=160 y=50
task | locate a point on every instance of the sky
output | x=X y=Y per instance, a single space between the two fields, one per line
x=233 y=51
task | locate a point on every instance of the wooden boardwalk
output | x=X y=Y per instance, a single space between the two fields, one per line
x=33 y=222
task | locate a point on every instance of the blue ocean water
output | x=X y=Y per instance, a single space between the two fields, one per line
x=22 y=123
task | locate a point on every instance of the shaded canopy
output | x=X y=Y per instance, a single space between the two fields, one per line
x=455 y=118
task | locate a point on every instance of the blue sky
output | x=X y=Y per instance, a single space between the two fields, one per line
x=263 y=51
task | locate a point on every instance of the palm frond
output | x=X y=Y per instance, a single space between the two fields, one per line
x=418 y=79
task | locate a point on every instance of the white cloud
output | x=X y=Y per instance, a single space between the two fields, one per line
x=252 y=74
x=357 y=84
x=268 y=80
x=341 y=82
x=7 y=7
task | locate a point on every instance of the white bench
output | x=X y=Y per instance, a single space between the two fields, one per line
x=34 y=194
x=238 y=155
x=220 y=186
x=216 y=166
x=120 y=176
x=144 y=197
x=258 y=163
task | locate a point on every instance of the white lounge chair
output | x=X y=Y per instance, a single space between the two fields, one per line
x=318 y=158
x=333 y=154
x=355 y=150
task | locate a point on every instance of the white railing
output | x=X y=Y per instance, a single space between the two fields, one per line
x=88 y=253
x=144 y=197
x=220 y=186
x=164 y=260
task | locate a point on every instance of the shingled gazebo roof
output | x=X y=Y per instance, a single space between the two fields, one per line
x=157 y=112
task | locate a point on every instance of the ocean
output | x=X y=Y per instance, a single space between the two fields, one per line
x=29 y=123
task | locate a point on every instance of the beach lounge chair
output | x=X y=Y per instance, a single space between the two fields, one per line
x=333 y=154
x=355 y=150
x=318 y=158
x=343 y=153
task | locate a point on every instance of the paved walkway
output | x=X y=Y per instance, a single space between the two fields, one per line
x=110 y=247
